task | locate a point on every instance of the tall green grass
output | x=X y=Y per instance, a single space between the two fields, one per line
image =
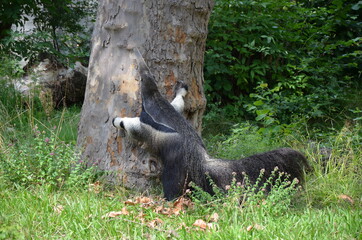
x=38 y=146
x=41 y=200
x=37 y=213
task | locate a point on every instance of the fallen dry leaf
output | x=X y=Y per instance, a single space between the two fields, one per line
x=113 y=214
x=249 y=228
x=154 y=223
x=58 y=209
x=346 y=198
x=95 y=187
x=124 y=211
x=141 y=215
x=163 y=210
x=182 y=202
x=130 y=202
x=211 y=225
x=110 y=195
x=258 y=227
x=201 y=224
x=255 y=226
x=144 y=200
x=158 y=209
x=166 y=211
x=178 y=204
x=175 y=211
x=172 y=234
x=214 y=217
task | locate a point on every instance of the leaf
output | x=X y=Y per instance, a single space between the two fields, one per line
x=143 y=200
x=255 y=226
x=252 y=74
x=141 y=215
x=346 y=198
x=258 y=103
x=214 y=217
x=113 y=214
x=262 y=111
x=227 y=86
x=181 y=203
x=95 y=187
x=109 y=195
x=252 y=44
x=258 y=227
x=124 y=211
x=263 y=85
x=175 y=211
x=58 y=209
x=269 y=121
x=356 y=7
x=163 y=210
x=260 y=117
x=130 y=202
x=201 y=224
x=154 y=223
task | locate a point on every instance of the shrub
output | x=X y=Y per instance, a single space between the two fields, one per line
x=275 y=195
x=282 y=59
x=244 y=140
x=59 y=30
x=45 y=160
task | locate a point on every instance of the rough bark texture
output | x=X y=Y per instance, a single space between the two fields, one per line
x=171 y=36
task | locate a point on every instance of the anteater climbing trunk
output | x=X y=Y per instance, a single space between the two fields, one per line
x=171 y=36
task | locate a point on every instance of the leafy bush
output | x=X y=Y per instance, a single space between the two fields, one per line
x=274 y=195
x=337 y=173
x=244 y=140
x=283 y=59
x=58 y=30
x=248 y=52
x=45 y=160
x=30 y=155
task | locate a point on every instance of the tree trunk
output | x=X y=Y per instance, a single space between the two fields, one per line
x=171 y=36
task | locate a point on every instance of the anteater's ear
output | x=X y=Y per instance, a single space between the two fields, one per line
x=181 y=88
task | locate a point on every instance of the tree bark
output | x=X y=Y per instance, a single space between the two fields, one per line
x=171 y=36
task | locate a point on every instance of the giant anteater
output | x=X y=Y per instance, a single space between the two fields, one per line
x=171 y=138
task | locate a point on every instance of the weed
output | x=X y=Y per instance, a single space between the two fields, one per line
x=273 y=194
x=45 y=160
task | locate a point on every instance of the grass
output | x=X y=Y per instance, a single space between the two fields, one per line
x=329 y=206
x=33 y=214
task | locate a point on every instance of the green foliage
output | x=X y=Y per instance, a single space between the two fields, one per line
x=10 y=99
x=243 y=140
x=58 y=30
x=12 y=13
x=32 y=155
x=337 y=166
x=334 y=155
x=9 y=68
x=76 y=212
x=45 y=160
x=275 y=195
x=283 y=59
x=248 y=52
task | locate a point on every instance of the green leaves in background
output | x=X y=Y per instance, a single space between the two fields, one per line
x=300 y=58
